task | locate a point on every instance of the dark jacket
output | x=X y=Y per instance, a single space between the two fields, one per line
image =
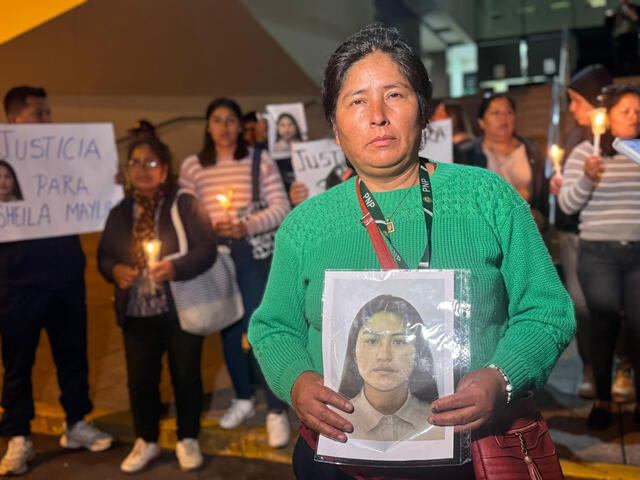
x=43 y=264
x=115 y=244
x=474 y=156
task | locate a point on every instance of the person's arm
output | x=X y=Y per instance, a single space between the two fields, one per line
x=272 y=190
x=540 y=323
x=278 y=334
x=200 y=237
x=186 y=179
x=107 y=248
x=577 y=185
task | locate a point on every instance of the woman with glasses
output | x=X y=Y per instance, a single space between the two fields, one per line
x=138 y=229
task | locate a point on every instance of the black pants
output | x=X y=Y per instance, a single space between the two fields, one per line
x=145 y=340
x=306 y=468
x=609 y=273
x=24 y=312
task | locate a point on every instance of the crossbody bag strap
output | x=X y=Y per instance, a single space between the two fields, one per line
x=183 y=245
x=255 y=174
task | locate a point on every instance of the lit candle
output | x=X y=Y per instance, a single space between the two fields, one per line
x=556 y=153
x=598 y=127
x=152 y=251
x=225 y=202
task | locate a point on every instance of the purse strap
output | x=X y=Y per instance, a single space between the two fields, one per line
x=255 y=174
x=183 y=246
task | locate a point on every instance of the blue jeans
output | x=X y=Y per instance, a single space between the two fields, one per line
x=252 y=279
x=609 y=273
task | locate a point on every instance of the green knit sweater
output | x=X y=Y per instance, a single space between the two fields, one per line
x=521 y=315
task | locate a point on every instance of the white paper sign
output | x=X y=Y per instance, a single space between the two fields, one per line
x=313 y=161
x=437 y=141
x=287 y=124
x=65 y=174
x=389 y=332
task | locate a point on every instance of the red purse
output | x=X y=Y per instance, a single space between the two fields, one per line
x=516 y=446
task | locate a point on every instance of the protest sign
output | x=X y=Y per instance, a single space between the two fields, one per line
x=287 y=124
x=437 y=142
x=65 y=176
x=313 y=161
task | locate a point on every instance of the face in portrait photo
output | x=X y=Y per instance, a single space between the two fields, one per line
x=388 y=373
x=9 y=186
x=287 y=124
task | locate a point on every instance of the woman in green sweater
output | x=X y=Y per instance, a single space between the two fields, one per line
x=376 y=93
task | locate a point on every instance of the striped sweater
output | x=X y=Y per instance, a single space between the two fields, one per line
x=235 y=176
x=610 y=207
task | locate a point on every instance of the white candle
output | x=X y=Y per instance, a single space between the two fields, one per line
x=598 y=127
x=152 y=253
x=556 y=153
x=225 y=202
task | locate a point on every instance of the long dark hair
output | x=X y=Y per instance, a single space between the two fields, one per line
x=298 y=135
x=422 y=383
x=609 y=98
x=376 y=37
x=207 y=155
x=17 y=191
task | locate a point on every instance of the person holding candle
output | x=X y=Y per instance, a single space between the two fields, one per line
x=221 y=177
x=609 y=248
x=138 y=234
x=514 y=158
x=582 y=92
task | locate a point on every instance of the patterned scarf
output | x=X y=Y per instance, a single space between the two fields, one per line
x=144 y=228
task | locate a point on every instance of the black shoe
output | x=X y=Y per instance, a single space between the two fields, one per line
x=599 y=418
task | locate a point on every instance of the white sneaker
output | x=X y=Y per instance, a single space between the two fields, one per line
x=278 y=429
x=623 y=389
x=188 y=453
x=85 y=435
x=140 y=456
x=587 y=387
x=19 y=453
x=238 y=412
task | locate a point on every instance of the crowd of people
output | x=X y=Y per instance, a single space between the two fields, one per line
x=490 y=207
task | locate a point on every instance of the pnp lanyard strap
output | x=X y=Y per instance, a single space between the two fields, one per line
x=376 y=226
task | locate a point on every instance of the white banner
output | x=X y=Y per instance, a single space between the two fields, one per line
x=61 y=179
x=313 y=161
x=437 y=141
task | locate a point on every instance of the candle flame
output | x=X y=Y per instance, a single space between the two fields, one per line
x=598 y=121
x=225 y=200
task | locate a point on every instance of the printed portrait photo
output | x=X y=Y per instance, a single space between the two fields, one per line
x=387 y=348
x=287 y=124
x=9 y=186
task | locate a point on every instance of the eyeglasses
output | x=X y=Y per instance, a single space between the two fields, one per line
x=146 y=164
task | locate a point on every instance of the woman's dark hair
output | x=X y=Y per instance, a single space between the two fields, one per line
x=370 y=39
x=298 y=135
x=456 y=113
x=609 y=98
x=160 y=150
x=422 y=383
x=16 y=192
x=488 y=98
x=207 y=155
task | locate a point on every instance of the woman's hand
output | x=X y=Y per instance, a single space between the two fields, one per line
x=124 y=275
x=310 y=398
x=298 y=193
x=229 y=229
x=162 y=271
x=594 y=167
x=480 y=394
x=555 y=184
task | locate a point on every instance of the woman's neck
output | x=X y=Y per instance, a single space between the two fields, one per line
x=148 y=192
x=225 y=152
x=405 y=179
x=501 y=145
x=386 y=403
x=6 y=198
